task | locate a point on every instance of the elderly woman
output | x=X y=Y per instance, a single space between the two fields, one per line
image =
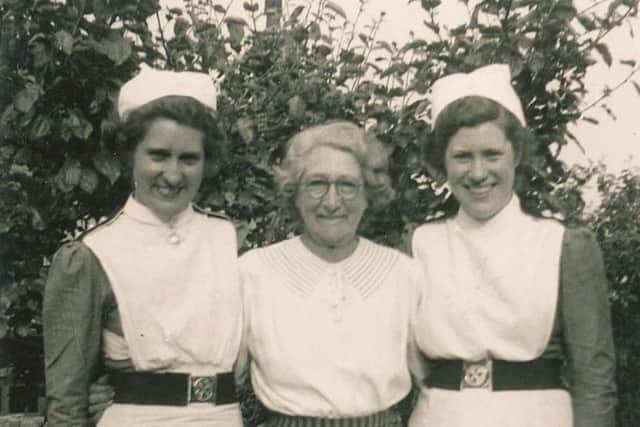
x=511 y=301
x=153 y=292
x=327 y=313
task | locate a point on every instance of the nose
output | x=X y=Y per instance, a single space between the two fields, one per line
x=478 y=171
x=172 y=172
x=331 y=200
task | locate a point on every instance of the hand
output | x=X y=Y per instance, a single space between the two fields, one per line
x=100 y=398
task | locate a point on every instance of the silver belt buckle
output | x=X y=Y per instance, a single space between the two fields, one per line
x=203 y=389
x=477 y=375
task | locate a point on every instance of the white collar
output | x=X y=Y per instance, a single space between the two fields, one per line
x=497 y=225
x=143 y=214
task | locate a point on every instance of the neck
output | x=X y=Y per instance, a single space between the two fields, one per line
x=335 y=253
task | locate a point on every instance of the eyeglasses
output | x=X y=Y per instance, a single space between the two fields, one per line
x=318 y=188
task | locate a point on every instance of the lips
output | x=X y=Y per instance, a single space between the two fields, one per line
x=168 y=192
x=479 y=190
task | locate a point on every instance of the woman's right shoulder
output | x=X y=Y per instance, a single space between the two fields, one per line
x=425 y=233
x=73 y=255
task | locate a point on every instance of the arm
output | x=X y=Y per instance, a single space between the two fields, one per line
x=72 y=318
x=587 y=330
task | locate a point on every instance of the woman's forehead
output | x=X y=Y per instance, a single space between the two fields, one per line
x=330 y=161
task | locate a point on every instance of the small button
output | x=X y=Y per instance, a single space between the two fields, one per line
x=174 y=239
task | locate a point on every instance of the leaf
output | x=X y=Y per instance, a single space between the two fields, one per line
x=236 y=31
x=430 y=4
x=629 y=62
x=41 y=127
x=314 y=31
x=89 y=181
x=335 y=7
x=296 y=13
x=219 y=9
x=108 y=165
x=364 y=38
x=413 y=45
x=236 y=20
x=28 y=96
x=591 y=120
x=115 y=47
x=636 y=86
x=36 y=220
x=297 y=107
x=384 y=45
x=323 y=49
x=250 y=7
x=586 y=22
x=563 y=10
x=64 y=41
x=245 y=129
x=68 y=176
x=604 y=52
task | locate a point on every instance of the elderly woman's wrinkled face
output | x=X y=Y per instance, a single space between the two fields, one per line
x=168 y=167
x=331 y=197
x=480 y=164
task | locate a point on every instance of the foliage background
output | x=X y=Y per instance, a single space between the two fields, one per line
x=62 y=62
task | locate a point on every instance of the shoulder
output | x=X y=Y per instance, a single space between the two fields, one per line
x=578 y=237
x=100 y=226
x=426 y=234
x=278 y=249
x=207 y=212
x=72 y=256
x=215 y=221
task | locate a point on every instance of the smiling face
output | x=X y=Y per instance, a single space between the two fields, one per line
x=168 y=167
x=480 y=165
x=331 y=220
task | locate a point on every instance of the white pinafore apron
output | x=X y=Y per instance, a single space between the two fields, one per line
x=178 y=298
x=491 y=291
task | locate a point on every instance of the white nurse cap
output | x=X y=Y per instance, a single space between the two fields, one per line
x=491 y=81
x=151 y=84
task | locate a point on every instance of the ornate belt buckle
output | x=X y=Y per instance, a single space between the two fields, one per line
x=203 y=389
x=477 y=374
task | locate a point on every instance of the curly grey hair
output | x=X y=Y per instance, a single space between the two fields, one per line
x=371 y=154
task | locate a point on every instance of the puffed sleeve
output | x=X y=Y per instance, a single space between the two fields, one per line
x=253 y=411
x=587 y=330
x=72 y=320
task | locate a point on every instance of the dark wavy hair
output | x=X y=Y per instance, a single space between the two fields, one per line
x=184 y=110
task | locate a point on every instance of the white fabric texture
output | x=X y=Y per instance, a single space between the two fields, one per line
x=491 y=81
x=328 y=339
x=484 y=408
x=194 y=415
x=491 y=289
x=178 y=294
x=179 y=303
x=151 y=84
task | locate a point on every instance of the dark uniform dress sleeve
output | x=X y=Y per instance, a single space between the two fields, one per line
x=72 y=320
x=586 y=325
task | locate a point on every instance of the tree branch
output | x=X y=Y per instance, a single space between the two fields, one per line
x=609 y=92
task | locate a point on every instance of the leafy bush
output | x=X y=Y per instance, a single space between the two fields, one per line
x=62 y=62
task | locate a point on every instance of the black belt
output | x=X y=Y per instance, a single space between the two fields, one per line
x=496 y=375
x=179 y=389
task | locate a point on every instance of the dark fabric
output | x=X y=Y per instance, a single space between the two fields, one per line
x=537 y=374
x=387 y=418
x=584 y=331
x=75 y=301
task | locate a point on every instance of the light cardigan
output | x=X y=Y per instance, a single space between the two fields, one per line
x=328 y=339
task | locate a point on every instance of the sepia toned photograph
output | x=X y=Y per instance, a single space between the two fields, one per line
x=319 y=213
